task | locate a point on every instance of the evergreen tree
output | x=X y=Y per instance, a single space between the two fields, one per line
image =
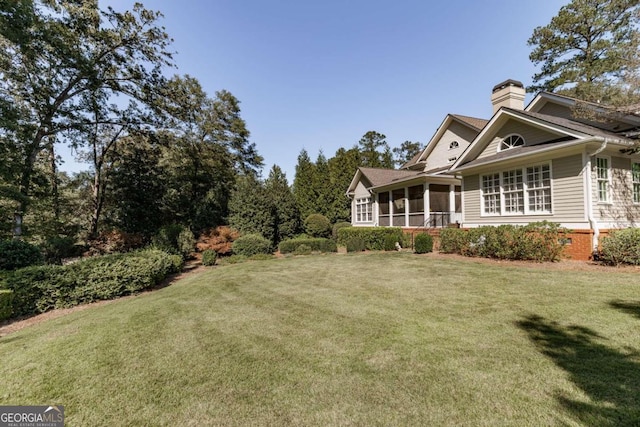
x=587 y=48
x=251 y=210
x=342 y=167
x=406 y=152
x=374 y=151
x=322 y=184
x=304 y=189
x=288 y=222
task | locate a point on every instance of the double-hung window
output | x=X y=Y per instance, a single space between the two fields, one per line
x=491 y=193
x=635 y=178
x=539 y=189
x=364 y=210
x=513 y=191
x=603 y=177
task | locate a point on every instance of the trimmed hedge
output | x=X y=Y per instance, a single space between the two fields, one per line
x=15 y=254
x=6 y=297
x=251 y=244
x=355 y=244
x=373 y=237
x=337 y=226
x=621 y=247
x=423 y=244
x=42 y=288
x=316 y=244
x=539 y=241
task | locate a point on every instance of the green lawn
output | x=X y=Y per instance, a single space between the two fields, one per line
x=371 y=339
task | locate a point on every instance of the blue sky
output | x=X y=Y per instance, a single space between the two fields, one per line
x=319 y=74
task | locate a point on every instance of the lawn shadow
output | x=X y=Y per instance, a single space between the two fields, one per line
x=632 y=308
x=610 y=378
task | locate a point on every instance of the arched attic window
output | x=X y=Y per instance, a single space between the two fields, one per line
x=453 y=144
x=511 y=141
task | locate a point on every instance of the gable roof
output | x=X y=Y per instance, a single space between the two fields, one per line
x=569 y=133
x=473 y=123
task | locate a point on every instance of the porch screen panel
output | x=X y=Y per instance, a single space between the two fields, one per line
x=399 y=207
x=458 y=198
x=416 y=206
x=383 y=209
x=439 y=205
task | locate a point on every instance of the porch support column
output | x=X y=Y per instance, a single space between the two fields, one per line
x=452 y=202
x=406 y=206
x=375 y=210
x=390 y=208
x=427 y=208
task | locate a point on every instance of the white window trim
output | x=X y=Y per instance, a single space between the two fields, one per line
x=524 y=142
x=608 y=201
x=635 y=195
x=367 y=204
x=525 y=190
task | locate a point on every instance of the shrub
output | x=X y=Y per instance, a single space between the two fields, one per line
x=302 y=250
x=6 y=298
x=423 y=243
x=390 y=243
x=621 y=247
x=336 y=227
x=219 y=239
x=373 y=237
x=355 y=244
x=186 y=243
x=16 y=254
x=42 y=288
x=539 y=241
x=316 y=244
x=317 y=225
x=115 y=241
x=56 y=248
x=251 y=244
x=452 y=240
x=209 y=257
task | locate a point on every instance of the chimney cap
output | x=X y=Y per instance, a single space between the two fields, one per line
x=506 y=83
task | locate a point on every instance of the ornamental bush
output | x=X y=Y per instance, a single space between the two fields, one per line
x=16 y=254
x=621 y=247
x=38 y=289
x=423 y=243
x=390 y=243
x=174 y=239
x=539 y=241
x=372 y=237
x=317 y=225
x=6 y=297
x=251 y=244
x=209 y=257
x=302 y=250
x=316 y=244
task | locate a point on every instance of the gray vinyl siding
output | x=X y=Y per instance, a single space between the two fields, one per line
x=567 y=193
x=621 y=211
x=441 y=153
x=531 y=135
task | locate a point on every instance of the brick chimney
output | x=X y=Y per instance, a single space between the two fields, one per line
x=509 y=93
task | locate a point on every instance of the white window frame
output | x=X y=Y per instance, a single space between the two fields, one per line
x=364 y=210
x=492 y=192
x=635 y=181
x=521 y=184
x=602 y=180
x=510 y=136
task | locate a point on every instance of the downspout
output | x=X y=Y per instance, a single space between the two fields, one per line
x=593 y=223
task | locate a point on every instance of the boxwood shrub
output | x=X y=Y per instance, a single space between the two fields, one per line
x=41 y=288
x=251 y=244
x=539 y=241
x=423 y=243
x=209 y=257
x=6 y=297
x=621 y=247
x=355 y=244
x=373 y=237
x=316 y=244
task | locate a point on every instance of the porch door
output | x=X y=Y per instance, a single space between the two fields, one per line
x=439 y=205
